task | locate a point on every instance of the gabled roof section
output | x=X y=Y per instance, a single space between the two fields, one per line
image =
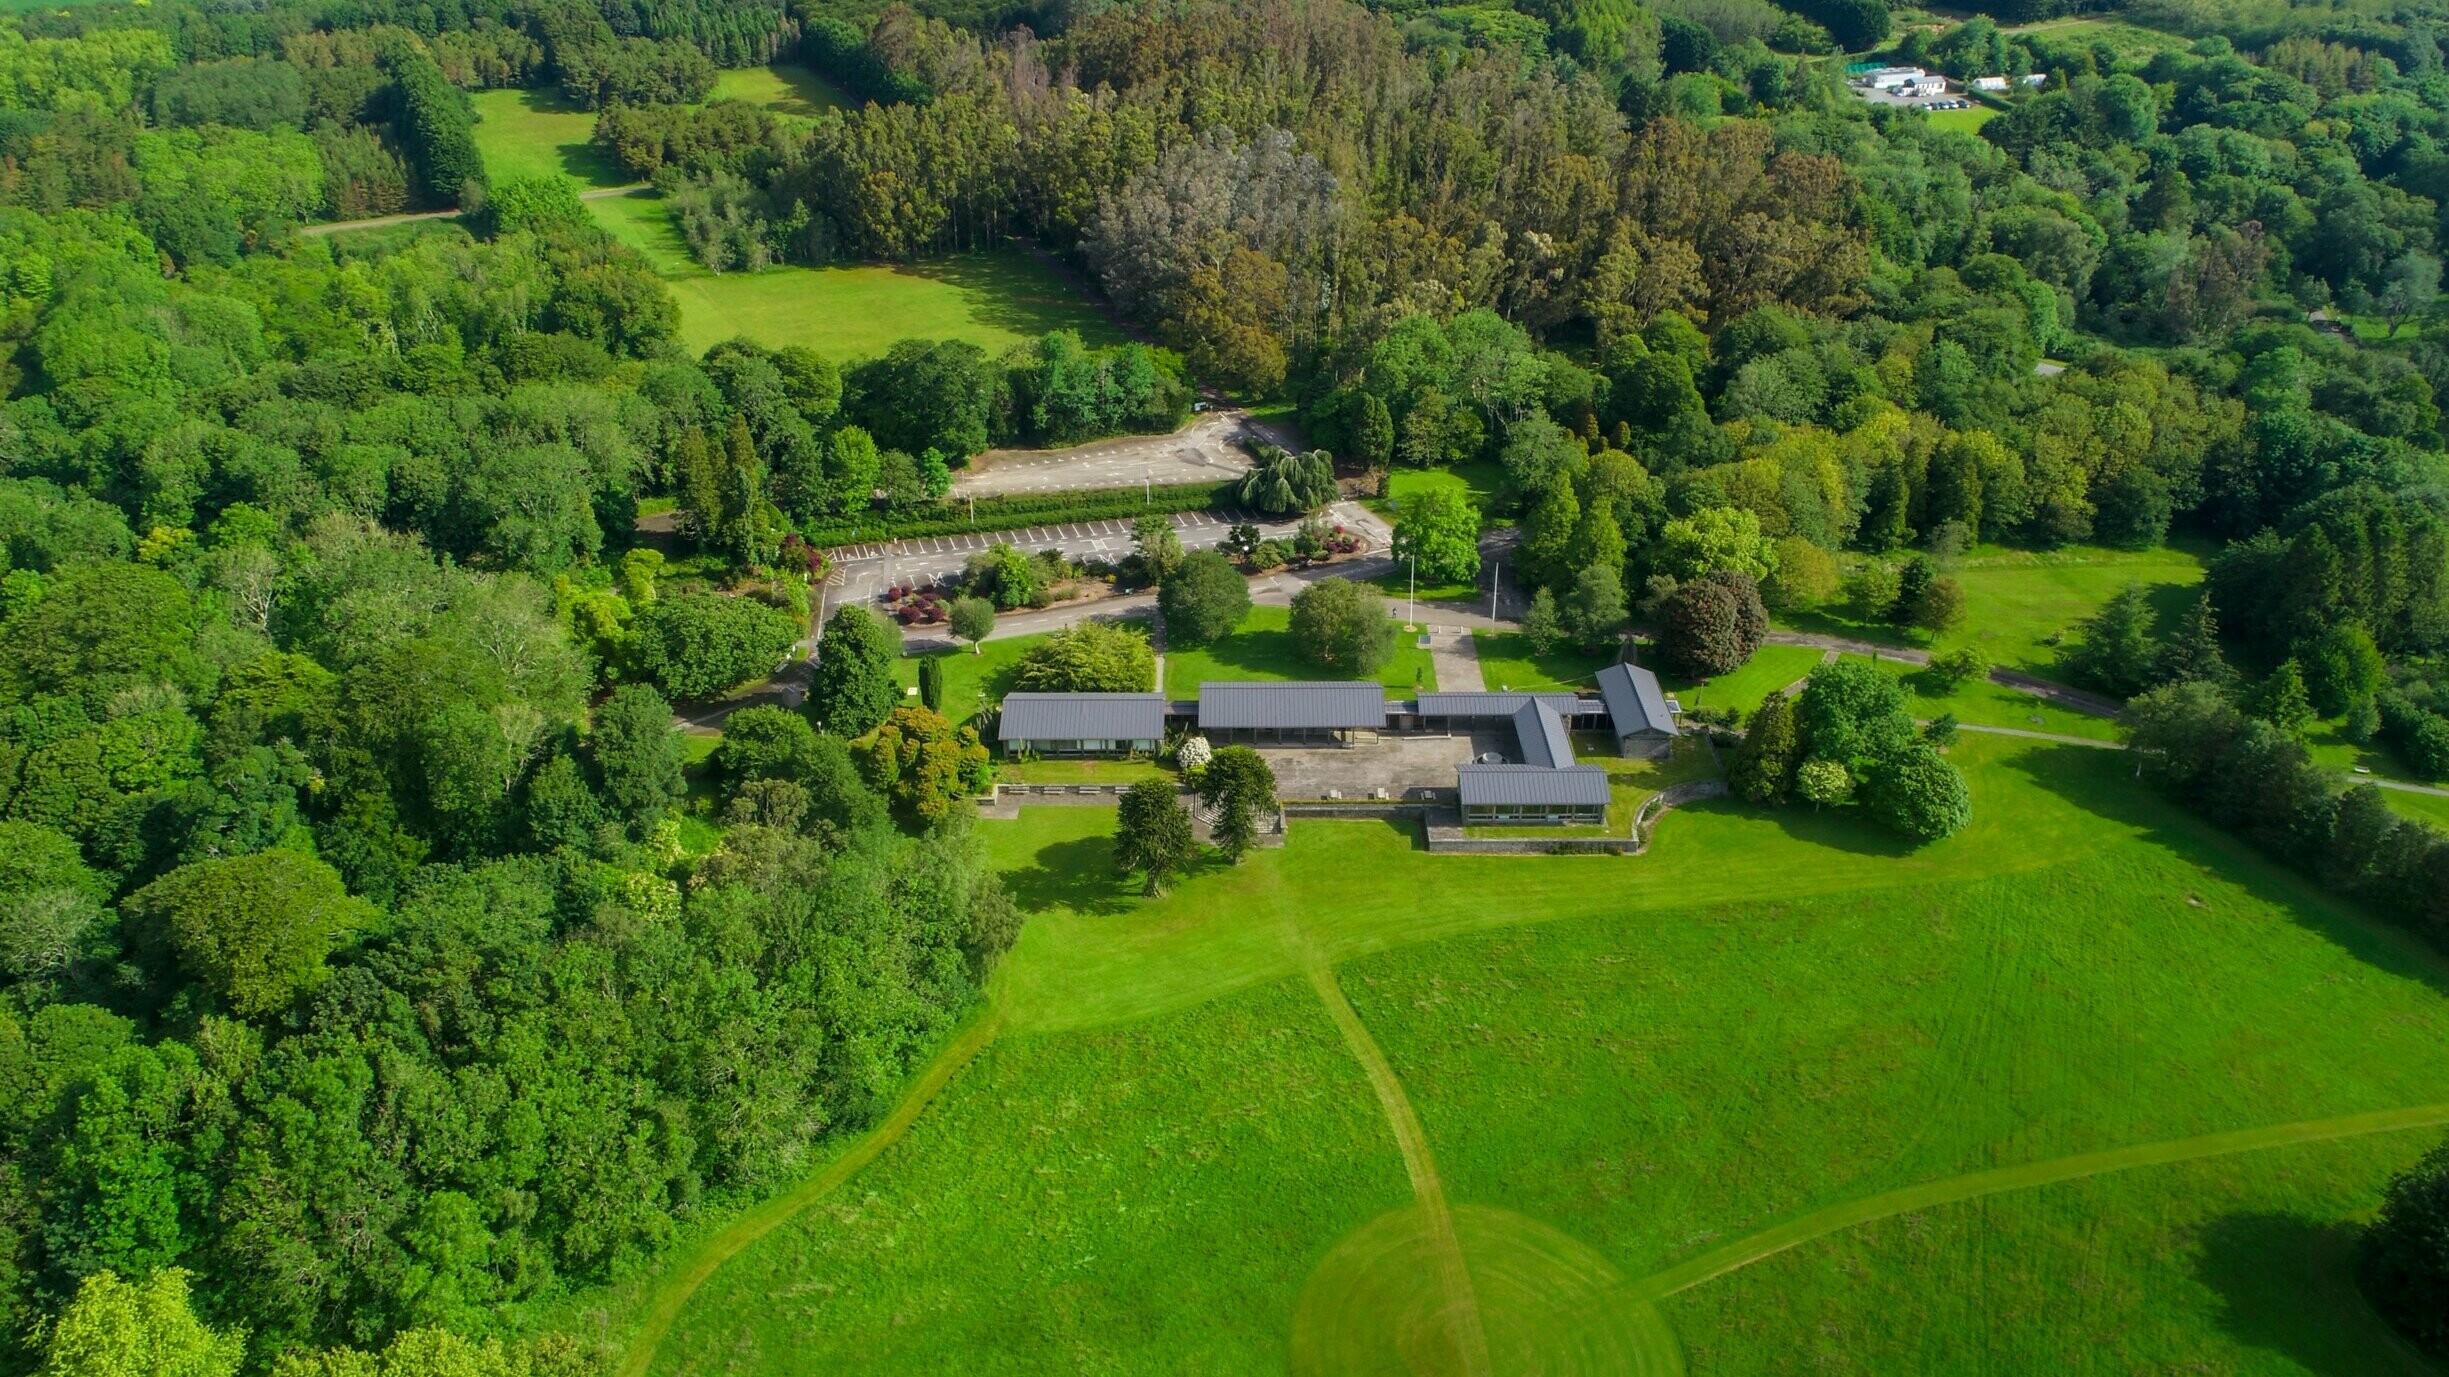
x=1532 y=785
x=1082 y=717
x=1635 y=702
x=1544 y=741
x=1292 y=706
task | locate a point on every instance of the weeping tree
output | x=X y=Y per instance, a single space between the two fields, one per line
x=1282 y=482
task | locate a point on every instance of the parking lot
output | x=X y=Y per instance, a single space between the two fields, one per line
x=863 y=571
x=1212 y=448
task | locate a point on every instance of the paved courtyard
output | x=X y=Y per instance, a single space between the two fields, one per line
x=1406 y=767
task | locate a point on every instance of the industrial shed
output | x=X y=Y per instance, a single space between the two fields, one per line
x=1082 y=723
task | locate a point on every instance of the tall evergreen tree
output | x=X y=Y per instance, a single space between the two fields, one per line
x=1763 y=770
x=853 y=687
x=2192 y=650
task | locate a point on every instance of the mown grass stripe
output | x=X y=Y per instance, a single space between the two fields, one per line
x=1717 y=1262
x=673 y=1296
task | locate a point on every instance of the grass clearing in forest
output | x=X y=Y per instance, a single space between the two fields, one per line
x=540 y=133
x=993 y=299
x=1167 y=1159
x=2021 y=606
x=1262 y=648
x=786 y=88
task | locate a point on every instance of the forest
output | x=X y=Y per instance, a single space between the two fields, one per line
x=381 y=963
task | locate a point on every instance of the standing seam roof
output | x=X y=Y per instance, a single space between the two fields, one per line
x=1292 y=706
x=1082 y=717
x=1634 y=700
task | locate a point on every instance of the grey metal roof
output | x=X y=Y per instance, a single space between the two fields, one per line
x=1544 y=742
x=1294 y=706
x=1082 y=717
x=1491 y=704
x=1635 y=703
x=1531 y=784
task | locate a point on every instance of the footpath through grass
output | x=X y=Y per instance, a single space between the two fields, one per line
x=2020 y=606
x=1631 y=1063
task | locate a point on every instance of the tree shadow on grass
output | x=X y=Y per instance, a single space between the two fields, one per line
x=1006 y=290
x=1838 y=829
x=2287 y=1285
x=2103 y=784
x=1075 y=876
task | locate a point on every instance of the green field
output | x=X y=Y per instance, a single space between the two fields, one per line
x=1966 y=121
x=2019 y=605
x=1350 y=1107
x=1772 y=667
x=973 y=681
x=787 y=89
x=1262 y=648
x=1507 y=661
x=540 y=133
x=993 y=299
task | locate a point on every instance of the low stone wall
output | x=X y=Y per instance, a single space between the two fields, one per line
x=1456 y=841
x=1675 y=796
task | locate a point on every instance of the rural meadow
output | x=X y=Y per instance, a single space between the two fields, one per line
x=741 y=688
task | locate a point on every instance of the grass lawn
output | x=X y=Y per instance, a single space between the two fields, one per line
x=2431 y=808
x=994 y=299
x=972 y=682
x=1480 y=481
x=1079 y=771
x=1507 y=661
x=1771 y=668
x=2019 y=603
x=1167 y=1160
x=1984 y=704
x=1262 y=648
x=785 y=88
x=1966 y=121
x=540 y=133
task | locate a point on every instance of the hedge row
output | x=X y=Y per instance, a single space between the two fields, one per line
x=1022 y=511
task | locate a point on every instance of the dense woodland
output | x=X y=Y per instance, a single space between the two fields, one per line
x=361 y=961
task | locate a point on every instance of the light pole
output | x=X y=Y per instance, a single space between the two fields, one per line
x=1411 y=600
x=1496 y=573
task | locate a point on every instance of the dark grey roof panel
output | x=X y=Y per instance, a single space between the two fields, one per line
x=1577 y=785
x=1292 y=706
x=1082 y=717
x=1490 y=704
x=1634 y=700
x=1544 y=742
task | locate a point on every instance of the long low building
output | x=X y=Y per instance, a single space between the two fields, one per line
x=1532 y=793
x=1082 y=723
x=1542 y=784
x=1259 y=712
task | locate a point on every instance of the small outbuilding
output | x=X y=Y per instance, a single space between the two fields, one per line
x=1637 y=711
x=1082 y=723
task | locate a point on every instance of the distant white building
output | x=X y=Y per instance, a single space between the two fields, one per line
x=1989 y=83
x=2034 y=78
x=1890 y=78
